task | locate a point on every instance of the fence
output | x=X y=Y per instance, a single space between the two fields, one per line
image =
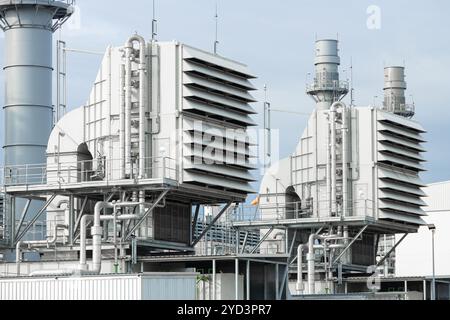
x=86 y=171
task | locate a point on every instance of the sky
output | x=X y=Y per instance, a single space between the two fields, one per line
x=276 y=40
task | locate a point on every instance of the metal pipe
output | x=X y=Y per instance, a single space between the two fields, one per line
x=116 y=258
x=142 y=95
x=345 y=169
x=311 y=265
x=300 y=287
x=312 y=259
x=333 y=159
x=328 y=164
x=83 y=227
x=143 y=229
x=96 y=232
x=128 y=104
x=30 y=244
x=122 y=121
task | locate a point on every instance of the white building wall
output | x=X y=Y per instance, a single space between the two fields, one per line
x=414 y=255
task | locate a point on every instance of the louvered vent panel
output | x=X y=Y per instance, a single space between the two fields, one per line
x=216 y=115
x=400 y=161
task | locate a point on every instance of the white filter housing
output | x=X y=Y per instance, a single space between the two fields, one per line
x=383 y=161
x=196 y=100
x=182 y=123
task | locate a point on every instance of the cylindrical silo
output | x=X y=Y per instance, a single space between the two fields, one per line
x=28 y=68
x=394 y=92
x=327 y=87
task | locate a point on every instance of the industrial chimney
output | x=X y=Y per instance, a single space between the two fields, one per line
x=327 y=87
x=394 y=93
x=28 y=27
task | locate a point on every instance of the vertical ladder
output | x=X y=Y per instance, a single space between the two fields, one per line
x=61 y=81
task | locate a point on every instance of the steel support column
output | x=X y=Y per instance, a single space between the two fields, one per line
x=214 y=280
x=236 y=279
x=71 y=219
x=248 y=281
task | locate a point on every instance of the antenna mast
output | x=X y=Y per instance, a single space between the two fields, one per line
x=154 y=23
x=216 y=39
x=267 y=132
x=352 y=89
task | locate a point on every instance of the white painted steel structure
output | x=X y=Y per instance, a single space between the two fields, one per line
x=354 y=177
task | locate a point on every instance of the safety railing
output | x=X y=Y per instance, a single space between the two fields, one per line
x=101 y=169
x=406 y=110
x=328 y=85
x=296 y=211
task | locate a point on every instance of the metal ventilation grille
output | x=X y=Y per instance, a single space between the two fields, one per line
x=399 y=165
x=216 y=103
x=212 y=161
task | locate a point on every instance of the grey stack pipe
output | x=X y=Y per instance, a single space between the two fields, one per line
x=327 y=87
x=394 y=92
x=28 y=69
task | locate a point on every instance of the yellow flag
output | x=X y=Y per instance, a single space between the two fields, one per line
x=256 y=201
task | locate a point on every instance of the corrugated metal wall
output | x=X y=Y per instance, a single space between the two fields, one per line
x=133 y=287
x=438 y=197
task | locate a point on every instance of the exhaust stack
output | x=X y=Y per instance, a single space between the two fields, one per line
x=28 y=109
x=394 y=93
x=327 y=87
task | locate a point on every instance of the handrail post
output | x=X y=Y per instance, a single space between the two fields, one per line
x=164 y=167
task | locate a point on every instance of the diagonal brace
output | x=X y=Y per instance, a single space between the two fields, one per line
x=36 y=218
x=262 y=240
x=24 y=214
x=350 y=244
x=225 y=209
x=194 y=222
x=392 y=250
x=147 y=213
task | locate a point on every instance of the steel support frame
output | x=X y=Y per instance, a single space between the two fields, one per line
x=284 y=284
x=19 y=236
x=224 y=209
x=350 y=245
x=392 y=250
x=22 y=218
x=146 y=214
x=264 y=238
x=194 y=222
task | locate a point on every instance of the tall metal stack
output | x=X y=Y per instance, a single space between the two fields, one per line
x=327 y=87
x=394 y=93
x=28 y=27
